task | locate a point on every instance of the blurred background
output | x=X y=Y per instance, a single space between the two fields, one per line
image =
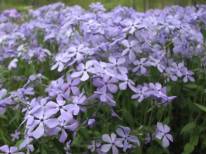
x=140 y=5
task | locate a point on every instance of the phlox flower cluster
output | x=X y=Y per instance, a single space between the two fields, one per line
x=94 y=55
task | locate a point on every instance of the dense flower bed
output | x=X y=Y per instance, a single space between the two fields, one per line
x=100 y=81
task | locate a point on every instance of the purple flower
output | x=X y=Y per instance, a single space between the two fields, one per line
x=40 y=124
x=111 y=142
x=57 y=87
x=63 y=128
x=125 y=82
x=15 y=135
x=131 y=26
x=13 y=64
x=105 y=96
x=83 y=70
x=140 y=66
x=38 y=121
x=78 y=53
x=175 y=71
x=141 y=92
x=154 y=90
x=12 y=13
x=94 y=146
x=72 y=86
x=59 y=106
x=3 y=101
x=163 y=134
x=91 y=122
x=97 y=7
x=118 y=65
x=188 y=75
x=10 y=150
x=106 y=82
x=21 y=93
x=157 y=61
x=77 y=104
x=128 y=140
x=61 y=60
x=130 y=49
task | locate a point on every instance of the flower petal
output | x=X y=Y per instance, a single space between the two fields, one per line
x=106 y=138
x=106 y=147
x=51 y=123
x=39 y=131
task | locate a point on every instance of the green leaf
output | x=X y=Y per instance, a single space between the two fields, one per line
x=193 y=86
x=188 y=128
x=201 y=107
x=189 y=147
x=19 y=142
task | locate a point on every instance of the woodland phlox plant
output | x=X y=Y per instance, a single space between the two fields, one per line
x=68 y=65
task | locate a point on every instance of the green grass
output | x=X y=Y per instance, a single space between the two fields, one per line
x=138 y=4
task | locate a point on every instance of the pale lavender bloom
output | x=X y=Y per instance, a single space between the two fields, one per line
x=132 y=25
x=141 y=92
x=97 y=7
x=12 y=13
x=157 y=61
x=13 y=64
x=38 y=106
x=78 y=53
x=22 y=93
x=102 y=68
x=63 y=128
x=175 y=71
x=130 y=49
x=26 y=143
x=163 y=134
x=34 y=77
x=57 y=87
x=94 y=146
x=15 y=135
x=94 y=28
x=78 y=102
x=72 y=85
x=3 y=93
x=2 y=109
x=3 y=101
x=151 y=90
x=83 y=70
x=125 y=82
x=111 y=143
x=60 y=106
x=156 y=90
x=104 y=96
x=128 y=140
x=37 y=121
x=29 y=117
x=38 y=53
x=118 y=64
x=40 y=125
x=10 y=150
x=91 y=122
x=61 y=60
x=188 y=75
x=140 y=66
x=108 y=82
